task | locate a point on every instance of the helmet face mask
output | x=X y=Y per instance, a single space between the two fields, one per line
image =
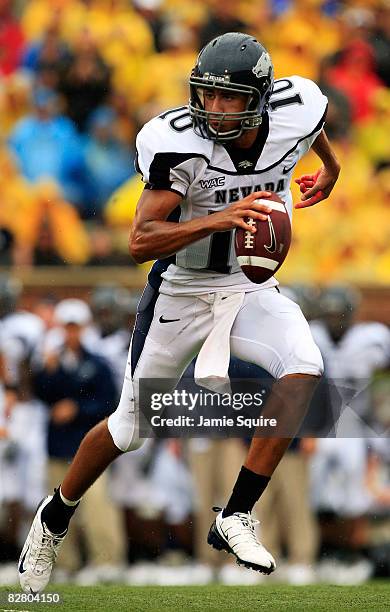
x=234 y=63
x=248 y=118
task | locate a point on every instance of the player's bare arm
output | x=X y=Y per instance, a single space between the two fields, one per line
x=153 y=237
x=317 y=187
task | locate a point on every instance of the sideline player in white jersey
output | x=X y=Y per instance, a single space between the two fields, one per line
x=239 y=138
x=23 y=457
x=352 y=353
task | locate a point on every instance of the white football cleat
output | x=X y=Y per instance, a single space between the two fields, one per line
x=39 y=553
x=236 y=534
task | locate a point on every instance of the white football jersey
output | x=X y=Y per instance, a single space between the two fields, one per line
x=20 y=332
x=351 y=362
x=210 y=177
x=362 y=350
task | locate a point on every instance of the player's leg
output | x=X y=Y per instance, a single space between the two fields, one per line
x=271 y=332
x=287 y=403
x=158 y=350
x=214 y=465
x=101 y=445
x=161 y=350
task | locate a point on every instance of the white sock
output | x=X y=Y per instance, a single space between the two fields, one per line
x=69 y=502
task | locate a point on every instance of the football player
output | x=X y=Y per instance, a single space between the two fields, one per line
x=353 y=351
x=22 y=457
x=205 y=166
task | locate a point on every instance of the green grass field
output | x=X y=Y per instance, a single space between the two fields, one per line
x=372 y=596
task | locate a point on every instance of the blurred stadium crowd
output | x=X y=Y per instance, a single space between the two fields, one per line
x=78 y=78
x=326 y=511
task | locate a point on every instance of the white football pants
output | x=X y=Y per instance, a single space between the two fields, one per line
x=269 y=331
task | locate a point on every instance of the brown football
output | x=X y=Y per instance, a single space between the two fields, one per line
x=260 y=255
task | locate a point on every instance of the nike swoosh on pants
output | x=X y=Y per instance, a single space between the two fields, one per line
x=162 y=320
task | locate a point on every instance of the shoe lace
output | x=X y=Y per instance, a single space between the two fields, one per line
x=249 y=523
x=48 y=550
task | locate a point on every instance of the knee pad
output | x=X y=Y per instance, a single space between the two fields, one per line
x=307 y=359
x=124 y=431
x=123 y=424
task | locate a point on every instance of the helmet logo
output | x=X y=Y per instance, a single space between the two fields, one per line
x=263 y=66
x=225 y=78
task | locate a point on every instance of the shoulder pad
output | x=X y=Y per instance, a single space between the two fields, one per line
x=297 y=111
x=164 y=144
x=299 y=105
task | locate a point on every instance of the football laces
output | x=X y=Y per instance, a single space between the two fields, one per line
x=249 y=238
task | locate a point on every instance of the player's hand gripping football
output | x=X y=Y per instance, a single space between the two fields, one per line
x=236 y=214
x=316 y=187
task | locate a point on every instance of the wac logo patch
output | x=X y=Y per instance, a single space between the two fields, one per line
x=218 y=181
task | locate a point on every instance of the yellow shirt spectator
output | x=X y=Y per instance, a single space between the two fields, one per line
x=25 y=207
x=38 y=15
x=373 y=134
x=297 y=55
x=15 y=101
x=329 y=229
x=306 y=15
x=164 y=80
x=120 y=208
x=122 y=32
